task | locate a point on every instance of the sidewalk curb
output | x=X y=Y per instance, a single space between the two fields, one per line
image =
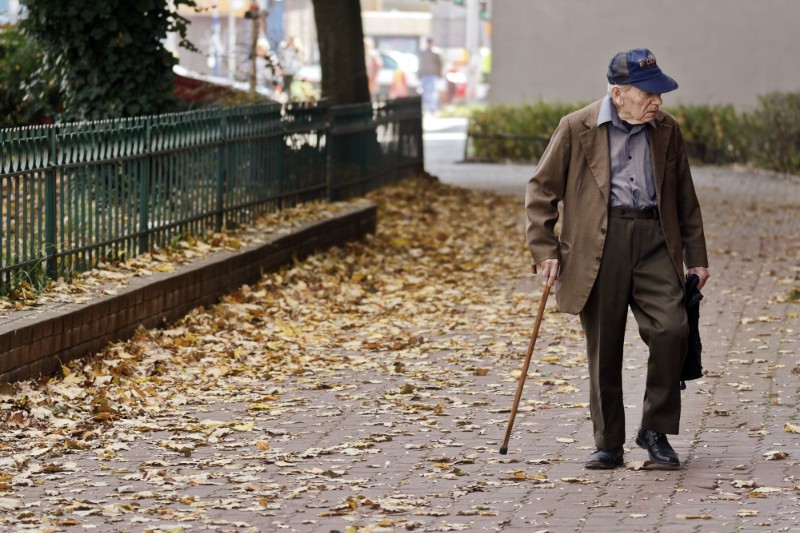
x=37 y=345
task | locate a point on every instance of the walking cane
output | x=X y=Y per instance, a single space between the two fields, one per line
x=524 y=374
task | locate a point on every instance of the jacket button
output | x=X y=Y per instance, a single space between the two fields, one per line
x=597 y=258
x=602 y=231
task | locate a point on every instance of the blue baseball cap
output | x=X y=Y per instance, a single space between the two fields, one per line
x=638 y=67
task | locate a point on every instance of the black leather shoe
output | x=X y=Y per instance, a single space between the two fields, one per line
x=657 y=446
x=604 y=459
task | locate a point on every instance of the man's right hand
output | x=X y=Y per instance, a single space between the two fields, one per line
x=549 y=268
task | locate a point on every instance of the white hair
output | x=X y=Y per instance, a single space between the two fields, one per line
x=612 y=85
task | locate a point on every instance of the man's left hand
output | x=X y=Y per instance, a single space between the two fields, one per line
x=700 y=272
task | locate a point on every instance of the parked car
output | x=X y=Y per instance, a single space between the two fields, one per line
x=397 y=76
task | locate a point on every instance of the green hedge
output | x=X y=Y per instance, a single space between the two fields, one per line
x=710 y=132
x=767 y=136
x=774 y=132
x=515 y=132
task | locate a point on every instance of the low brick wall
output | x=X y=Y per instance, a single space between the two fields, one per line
x=36 y=344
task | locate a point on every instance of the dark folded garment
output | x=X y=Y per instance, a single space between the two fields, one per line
x=692 y=366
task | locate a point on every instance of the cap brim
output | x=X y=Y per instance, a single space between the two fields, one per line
x=659 y=84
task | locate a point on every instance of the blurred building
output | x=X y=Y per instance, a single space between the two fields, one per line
x=9 y=11
x=222 y=34
x=398 y=25
x=461 y=31
x=719 y=51
x=397 y=28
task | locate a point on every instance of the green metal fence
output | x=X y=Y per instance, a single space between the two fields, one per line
x=374 y=145
x=78 y=194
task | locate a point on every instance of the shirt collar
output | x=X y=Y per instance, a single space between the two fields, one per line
x=608 y=113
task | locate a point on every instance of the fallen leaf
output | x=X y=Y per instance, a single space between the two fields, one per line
x=11 y=504
x=775 y=455
x=578 y=480
x=638 y=465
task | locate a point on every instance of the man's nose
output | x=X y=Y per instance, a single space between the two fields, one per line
x=657 y=100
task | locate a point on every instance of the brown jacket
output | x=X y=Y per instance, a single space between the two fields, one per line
x=575 y=170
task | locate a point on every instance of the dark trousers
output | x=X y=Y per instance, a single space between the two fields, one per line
x=637 y=272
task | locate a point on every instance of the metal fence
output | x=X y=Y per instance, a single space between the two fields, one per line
x=78 y=194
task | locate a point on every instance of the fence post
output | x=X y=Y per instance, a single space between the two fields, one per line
x=419 y=130
x=50 y=214
x=144 y=190
x=221 y=149
x=330 y=150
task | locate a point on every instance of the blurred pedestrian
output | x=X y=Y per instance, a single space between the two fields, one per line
x=290 y=59
x=430 y=70
x=373 y=62
x=399 y=86
x=631 y=224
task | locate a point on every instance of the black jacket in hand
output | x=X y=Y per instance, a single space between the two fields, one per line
x=692 y=367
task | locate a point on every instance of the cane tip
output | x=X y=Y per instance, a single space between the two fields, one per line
x=503 y=450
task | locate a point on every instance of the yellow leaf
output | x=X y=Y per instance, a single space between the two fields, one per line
x=791 y=428
x=262 y=445
x=407 y=389
x=287 y=330
x=164 y=267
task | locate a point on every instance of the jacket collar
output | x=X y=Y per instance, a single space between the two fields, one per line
x=594 y=142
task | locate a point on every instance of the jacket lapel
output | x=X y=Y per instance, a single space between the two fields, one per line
x=594 y=142
x=659 y=144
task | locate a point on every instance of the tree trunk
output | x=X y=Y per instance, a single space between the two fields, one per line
x=340 y=36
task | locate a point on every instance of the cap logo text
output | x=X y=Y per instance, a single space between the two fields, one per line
x=648 y=61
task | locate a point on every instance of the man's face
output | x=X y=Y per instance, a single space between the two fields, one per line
x=636 y=106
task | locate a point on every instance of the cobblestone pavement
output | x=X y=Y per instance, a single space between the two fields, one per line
x=431 y=462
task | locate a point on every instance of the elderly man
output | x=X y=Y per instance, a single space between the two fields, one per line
x=631 y=224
